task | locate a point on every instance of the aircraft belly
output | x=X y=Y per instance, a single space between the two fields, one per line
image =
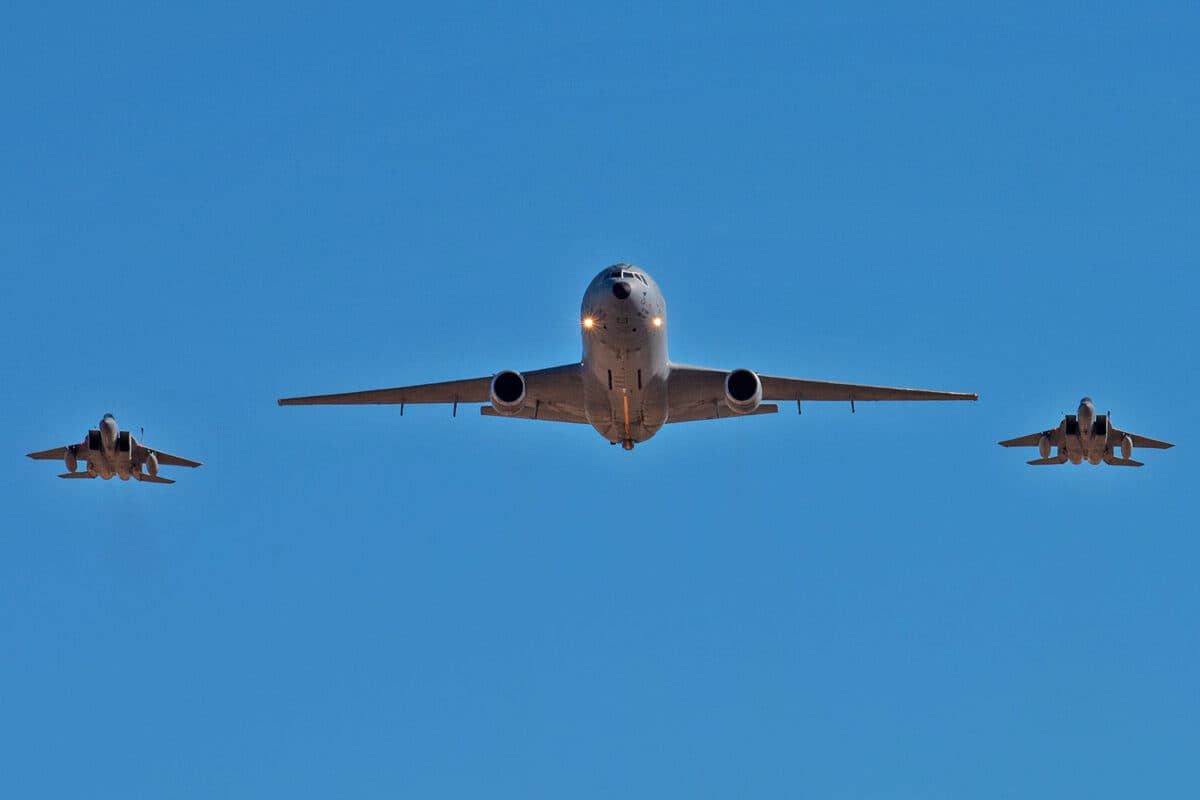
x=625 y=392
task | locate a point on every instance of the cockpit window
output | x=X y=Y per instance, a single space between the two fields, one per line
x=616 y=273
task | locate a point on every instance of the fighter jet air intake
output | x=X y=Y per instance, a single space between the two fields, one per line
x=625 y=386
x=1086 y=436
x=108 y=451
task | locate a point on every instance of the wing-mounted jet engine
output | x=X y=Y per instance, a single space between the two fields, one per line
x=507 y=392
x=1086 y=436
x=743 y=391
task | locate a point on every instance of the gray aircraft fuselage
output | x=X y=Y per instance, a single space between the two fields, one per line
x=105 y=462
x=625 y=365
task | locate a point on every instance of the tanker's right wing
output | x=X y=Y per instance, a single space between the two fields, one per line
x=554 y=394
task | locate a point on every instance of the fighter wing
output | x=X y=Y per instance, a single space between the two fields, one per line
x=554 y=394
x=1033 y=439
x=59 y=453
x=166 y=458
x=54 y=454
x=1139 y=442
x=691 y=386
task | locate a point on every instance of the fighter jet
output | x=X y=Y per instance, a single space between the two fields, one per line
x=625 y=386
x=1088 y=436
x=109 y=451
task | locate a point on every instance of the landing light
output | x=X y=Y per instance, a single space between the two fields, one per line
x=588 y=322
x=658 y=322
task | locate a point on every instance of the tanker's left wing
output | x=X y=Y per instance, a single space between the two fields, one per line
x=691 y=390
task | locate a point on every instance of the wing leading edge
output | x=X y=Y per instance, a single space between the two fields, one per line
x=554 y=394
x=53 y=454
x=690 y=386
x=1033 y=439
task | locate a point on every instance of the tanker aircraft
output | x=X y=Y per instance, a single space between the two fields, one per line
x=625 y=386
x=1086 y=436
x=109 y=451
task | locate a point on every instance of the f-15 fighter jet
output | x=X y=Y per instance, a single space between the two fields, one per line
x=109 y=451
x=625 y=386
x=1088 y=436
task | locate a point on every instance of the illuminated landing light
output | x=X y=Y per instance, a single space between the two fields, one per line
x=589 y=323
x=658 y=322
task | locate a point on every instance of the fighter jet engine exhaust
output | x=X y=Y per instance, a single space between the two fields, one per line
x=152 y=465
x=1044 y=446
x=72 y=460
x=508 y=392
x=743 y=391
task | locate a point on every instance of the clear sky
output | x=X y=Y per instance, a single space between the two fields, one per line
x=203 y=211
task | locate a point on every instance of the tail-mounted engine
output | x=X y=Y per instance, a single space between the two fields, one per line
x=152 y=465
x=743 y=391
x=508 y=392
x=71 y=459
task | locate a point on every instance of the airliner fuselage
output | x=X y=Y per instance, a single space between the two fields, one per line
x=625 y=364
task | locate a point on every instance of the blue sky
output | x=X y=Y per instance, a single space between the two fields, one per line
x=206 y=210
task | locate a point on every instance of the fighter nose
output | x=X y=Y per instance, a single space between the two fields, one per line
x=621 y=290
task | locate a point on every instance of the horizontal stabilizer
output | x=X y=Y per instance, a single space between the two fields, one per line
x=1123 y=462
x=142 y=476
x=1045 y=462
x=77 y=475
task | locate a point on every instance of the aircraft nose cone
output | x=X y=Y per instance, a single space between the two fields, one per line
x=621 y=290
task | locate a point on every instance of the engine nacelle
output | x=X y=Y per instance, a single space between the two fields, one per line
x=1044 y=446
x=508 y=392
x=72 y=460
x=1126 y=447
x=152 y=465
x=743 y=391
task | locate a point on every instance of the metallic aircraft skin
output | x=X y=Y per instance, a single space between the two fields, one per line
x=1086 y=436
x=107 y=452
x=624 y=385
x=625 y=365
